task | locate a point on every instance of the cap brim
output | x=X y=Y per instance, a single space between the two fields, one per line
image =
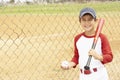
x=87 y=13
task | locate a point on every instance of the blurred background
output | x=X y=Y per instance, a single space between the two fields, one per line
x=49 y=1
x=37 y=35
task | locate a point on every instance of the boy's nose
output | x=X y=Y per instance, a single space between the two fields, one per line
x=87 y=24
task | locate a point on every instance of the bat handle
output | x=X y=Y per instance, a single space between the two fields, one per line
x=86 y=67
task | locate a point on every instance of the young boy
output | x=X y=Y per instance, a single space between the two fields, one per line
x=101 y=55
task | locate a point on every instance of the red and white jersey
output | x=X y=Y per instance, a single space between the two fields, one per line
x=82 y=45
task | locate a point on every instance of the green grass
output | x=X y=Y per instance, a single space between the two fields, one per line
x=59 y=8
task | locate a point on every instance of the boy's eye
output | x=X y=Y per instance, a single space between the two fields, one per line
x=90 y=19
x=87 y=20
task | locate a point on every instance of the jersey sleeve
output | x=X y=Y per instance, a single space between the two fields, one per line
x=76 y=54
x=106 y=50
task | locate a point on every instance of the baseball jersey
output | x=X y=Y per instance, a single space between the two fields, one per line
x=82 y=45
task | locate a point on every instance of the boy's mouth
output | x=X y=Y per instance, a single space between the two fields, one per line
x=87 y=27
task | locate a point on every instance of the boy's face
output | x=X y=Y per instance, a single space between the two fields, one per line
x=87 y=22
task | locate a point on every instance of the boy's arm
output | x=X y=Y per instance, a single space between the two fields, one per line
x=75 y=58
x=107 y=55
x=106 y=50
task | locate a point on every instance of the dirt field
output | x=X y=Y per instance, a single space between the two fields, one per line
x=32 y=46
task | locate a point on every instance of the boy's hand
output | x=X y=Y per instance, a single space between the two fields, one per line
x=93 y=53
x=67 y=65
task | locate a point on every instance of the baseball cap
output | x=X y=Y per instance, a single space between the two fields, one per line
x=88 y=10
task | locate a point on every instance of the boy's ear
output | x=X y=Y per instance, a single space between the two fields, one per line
x=96 y=19
x=80 y=20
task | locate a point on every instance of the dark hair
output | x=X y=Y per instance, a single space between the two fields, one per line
x=90 y=15
x=87 y=14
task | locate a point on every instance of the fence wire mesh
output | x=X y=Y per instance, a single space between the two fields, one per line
x=35 y=38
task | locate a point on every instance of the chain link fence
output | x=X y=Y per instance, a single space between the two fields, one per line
x=35 y=38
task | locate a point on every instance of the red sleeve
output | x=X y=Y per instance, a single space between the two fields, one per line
x=76 y=55
x=106 y=50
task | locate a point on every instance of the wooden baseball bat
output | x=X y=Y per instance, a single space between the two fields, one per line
x=98 y=31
